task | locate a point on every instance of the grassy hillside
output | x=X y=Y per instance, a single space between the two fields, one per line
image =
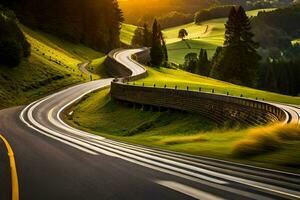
x=182 y=79
x=208 y=35
x=127 y=33
x=53 y=64
x=189 y=133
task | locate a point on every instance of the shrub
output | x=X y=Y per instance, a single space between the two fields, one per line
x=265 y=139
x=10 y=53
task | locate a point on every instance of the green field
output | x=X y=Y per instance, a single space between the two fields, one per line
x=187 y=132
x=53 y=64
x=170 y=77
x=127 y=33
x=208 y=35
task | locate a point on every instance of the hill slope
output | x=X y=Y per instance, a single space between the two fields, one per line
x=53 y=64
x=208 y=35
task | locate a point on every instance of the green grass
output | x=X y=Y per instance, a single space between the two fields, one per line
x=97 y=67
x=208 y=35
x=171 y=77
x=127 y=33
x=183 y=132
x=53 y=64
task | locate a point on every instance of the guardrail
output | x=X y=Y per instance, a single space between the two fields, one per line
x=218 y=107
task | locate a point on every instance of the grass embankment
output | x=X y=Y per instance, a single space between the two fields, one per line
x=208 y=35
x=273 y=146
x=53 y=64
x=127 y=33
x=171 y=78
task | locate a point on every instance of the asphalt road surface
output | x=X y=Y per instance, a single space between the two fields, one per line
x=55 y=161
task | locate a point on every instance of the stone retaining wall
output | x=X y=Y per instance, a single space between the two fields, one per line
x=219 y=108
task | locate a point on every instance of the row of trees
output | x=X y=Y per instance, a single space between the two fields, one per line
x=13 y=44
x=95 y=23
x=154 y=39
x=198 y=64
x=280 y=76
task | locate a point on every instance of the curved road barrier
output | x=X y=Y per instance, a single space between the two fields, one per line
x=75 y=164
x=13 y=170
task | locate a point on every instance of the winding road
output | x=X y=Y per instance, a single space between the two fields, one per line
x=56 y=161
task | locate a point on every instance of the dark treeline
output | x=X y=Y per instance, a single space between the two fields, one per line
x=95 y=23
x=280 y=76
x=166 y=20
x=256 y=4
x=212 y=13
x=275 y=30
x=13 y=44
x=166 y=12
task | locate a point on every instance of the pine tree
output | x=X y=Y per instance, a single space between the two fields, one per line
x=238 y=60
x=156 y=52
x=147 y=36
x=203 y=66
x=164 y=46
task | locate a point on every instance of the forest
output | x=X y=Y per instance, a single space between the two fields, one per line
x=13 y=44
x=78 y=21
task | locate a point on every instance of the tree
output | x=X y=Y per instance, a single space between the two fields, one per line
x=238 y=60
x=156 y=52
x=204 y=65
x=164 y=46
x=147 y=36
x=138 y=37
x=182 y=34
x=190 y=62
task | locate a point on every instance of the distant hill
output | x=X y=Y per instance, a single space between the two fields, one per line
x=276 y=30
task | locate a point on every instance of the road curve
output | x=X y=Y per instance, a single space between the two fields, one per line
x=56 y=161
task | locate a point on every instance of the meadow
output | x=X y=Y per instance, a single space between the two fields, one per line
x=273 y=146
x=208 y=35
x=127 y=33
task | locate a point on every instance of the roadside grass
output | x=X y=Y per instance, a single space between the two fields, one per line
x=53 y=64
x=188 y=133
x=75 y=51
x=97 y=67
x=208 y=35
x=171 y=78
x=127 y=33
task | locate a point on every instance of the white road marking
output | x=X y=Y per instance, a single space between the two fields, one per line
x=187 y=190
